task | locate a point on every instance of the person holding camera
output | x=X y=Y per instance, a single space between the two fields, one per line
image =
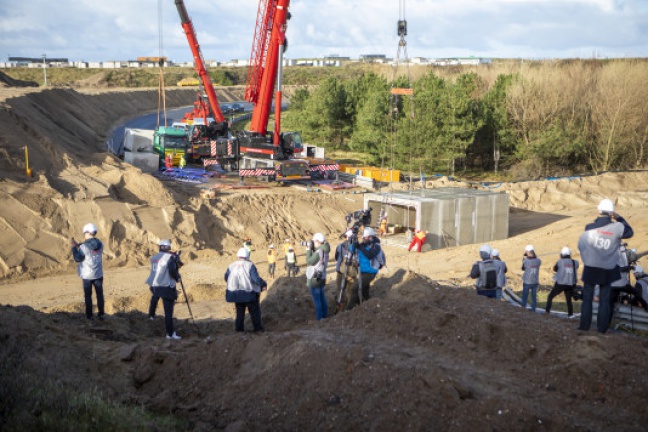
x=641 y=287
x=599 y=248
x=317 y=256
x=531 y=276
x=565 y=280
x=368 y=254
x=89 y=255
x=244 y=286
x=162 y=282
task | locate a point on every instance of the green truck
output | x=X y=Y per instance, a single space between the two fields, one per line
x=171 y=140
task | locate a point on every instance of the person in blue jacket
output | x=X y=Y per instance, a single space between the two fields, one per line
x=366 y=254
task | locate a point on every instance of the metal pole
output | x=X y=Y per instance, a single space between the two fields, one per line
x=45 y=69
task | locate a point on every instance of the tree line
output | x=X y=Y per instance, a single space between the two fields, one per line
x=529 y=119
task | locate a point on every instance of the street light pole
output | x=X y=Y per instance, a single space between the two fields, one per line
x=45 y=69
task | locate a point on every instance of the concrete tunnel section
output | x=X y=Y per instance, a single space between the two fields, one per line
x=451 y=216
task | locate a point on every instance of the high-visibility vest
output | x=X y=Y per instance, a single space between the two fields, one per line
x=272 y=256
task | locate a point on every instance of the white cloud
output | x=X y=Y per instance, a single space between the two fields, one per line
x=123 y=29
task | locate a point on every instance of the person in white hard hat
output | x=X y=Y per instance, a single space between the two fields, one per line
x=317 y=260
x=244 y=286
x=342 y=271
x=272 y=260
x=565 y=280
x=599 y=249
x=531 y=276
x=501 y=273
x=162 y=282
x=371 y=259
x=485 y=271
x=89 y=255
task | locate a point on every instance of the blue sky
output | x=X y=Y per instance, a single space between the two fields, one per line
x=92 y=30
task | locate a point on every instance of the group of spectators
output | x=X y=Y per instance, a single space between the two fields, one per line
x=606 y=271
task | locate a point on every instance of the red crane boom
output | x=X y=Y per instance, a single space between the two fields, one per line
x=265 y=64
x=200 y=110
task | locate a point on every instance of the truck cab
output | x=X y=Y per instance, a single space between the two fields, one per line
x=170 y=140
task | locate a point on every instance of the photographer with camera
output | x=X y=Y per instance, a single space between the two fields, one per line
x=370 y=258
x=162 y=282
x=641 y=287
x=565 y=279
x=317 y=256
x=531 y=276
x=244 y=286
x=599 y=249
x=485 y=271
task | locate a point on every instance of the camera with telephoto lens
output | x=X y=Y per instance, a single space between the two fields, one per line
x=307 y=244
x=362 y=217
x=578 y=294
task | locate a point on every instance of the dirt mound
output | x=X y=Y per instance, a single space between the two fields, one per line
x=7 y=81
x=417 y=344
x=418 y=355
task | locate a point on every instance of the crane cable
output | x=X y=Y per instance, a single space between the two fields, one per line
x=396 y=93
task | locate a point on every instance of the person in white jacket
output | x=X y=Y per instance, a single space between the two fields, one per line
x=89 y=255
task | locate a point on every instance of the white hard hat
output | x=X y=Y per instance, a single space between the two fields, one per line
x=495 y=253
x=638 y=270
x=290 y=248
x=271 y=246
x=287 y=240
x=242 y=253
x=89 y=228
x=529 y=248
x=349 y=233
x=565 y=251
x=606 y=205
x=166 y=243
x=368 y=232
x=486 y=248
x=319 y=237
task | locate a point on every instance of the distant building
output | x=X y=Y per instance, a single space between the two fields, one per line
x=373 y=58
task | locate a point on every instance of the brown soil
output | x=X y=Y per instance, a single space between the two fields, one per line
x=424 y=353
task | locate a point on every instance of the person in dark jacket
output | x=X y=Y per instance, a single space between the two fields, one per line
x=162 y=282
x=317 y=261
x=365 y=252
x=244 y=286
x=485 y=271
x=599 y=250
x=565 y=280
x=89 y=255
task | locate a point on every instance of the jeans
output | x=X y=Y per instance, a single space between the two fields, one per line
x=604 y=311
x=168 y=296
x=534 y=295
x=87 y=291
x=319 y=300
x=271 y=269
x=353 y=297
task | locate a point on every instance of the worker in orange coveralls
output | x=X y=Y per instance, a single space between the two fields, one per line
x=168 y=161
x=383 y=227
x=418 y=240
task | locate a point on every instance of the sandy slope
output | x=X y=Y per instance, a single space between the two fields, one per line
x=420 y=355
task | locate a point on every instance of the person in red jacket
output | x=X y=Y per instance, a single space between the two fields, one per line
x=418 y=241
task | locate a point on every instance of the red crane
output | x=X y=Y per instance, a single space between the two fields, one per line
x=265 y=65
x=201 y=109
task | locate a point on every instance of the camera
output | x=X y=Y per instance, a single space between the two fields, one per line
x=307 y=244
x=578 y=294
x=176 y=256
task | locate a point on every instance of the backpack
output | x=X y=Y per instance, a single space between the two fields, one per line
x=378 y=261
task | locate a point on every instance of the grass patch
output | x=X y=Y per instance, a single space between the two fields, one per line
x=30 y=400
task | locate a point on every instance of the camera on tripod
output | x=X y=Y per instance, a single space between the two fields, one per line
x=362 y=217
